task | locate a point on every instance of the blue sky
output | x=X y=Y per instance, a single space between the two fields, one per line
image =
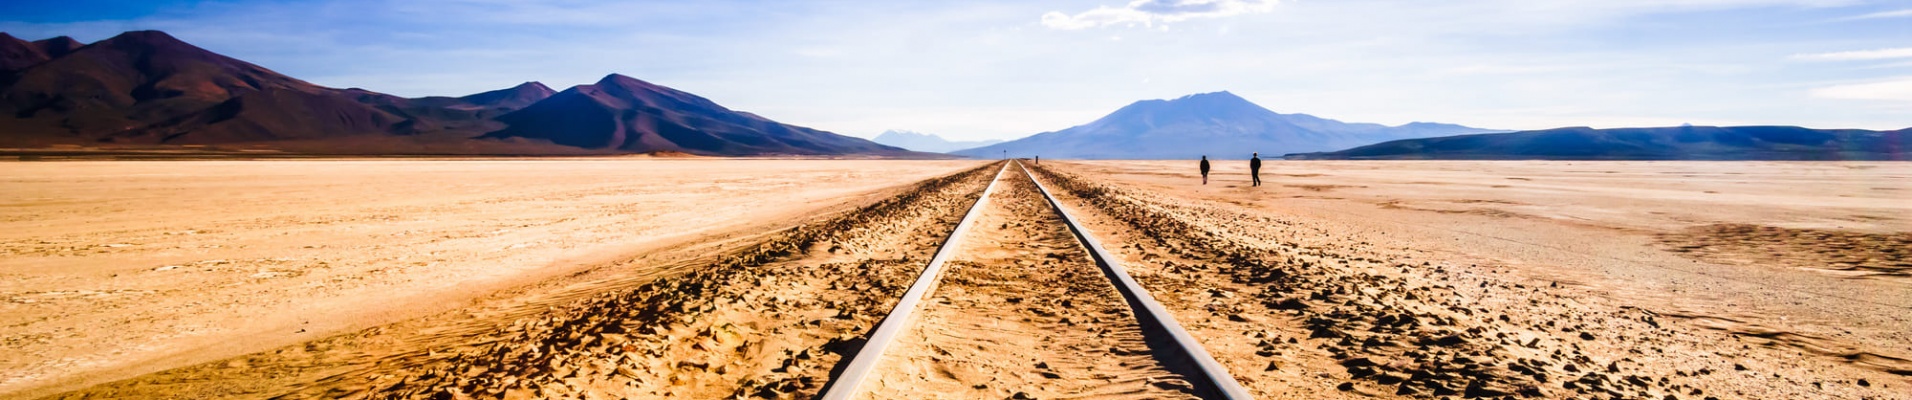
x=1004 y=69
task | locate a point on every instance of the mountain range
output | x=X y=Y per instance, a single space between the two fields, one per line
x=927 y=142
x=147 y=89
x=1666 y=143
x=1218 y=125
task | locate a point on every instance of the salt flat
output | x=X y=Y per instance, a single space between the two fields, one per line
x=661 y=278
x=113 y=268
x=1807 y=260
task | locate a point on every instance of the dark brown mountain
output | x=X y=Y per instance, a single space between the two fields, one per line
x=509 y=99
x=146 y=89
x=517 y=97
x=16 y=54
x=272 y=114
x=467 y=116
x=626 y=114
x=58 y=46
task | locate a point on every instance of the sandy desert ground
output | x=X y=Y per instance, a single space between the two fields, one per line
x=113 y=269
x=1022 y=311
x=1688 y=279
x=717 y=279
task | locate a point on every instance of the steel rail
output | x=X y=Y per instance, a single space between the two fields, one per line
x=844 y=386
x=1213 y=380
x=1150 y=312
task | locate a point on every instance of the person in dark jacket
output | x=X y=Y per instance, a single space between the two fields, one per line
x=1254 y=167
x=1204 y=170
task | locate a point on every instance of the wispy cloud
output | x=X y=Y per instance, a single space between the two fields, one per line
x=987 y=69
x=1860 y=55
x=1897 y=89
x=1906 y=13
x=1148 y=13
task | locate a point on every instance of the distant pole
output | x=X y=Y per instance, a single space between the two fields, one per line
x=1005 y=154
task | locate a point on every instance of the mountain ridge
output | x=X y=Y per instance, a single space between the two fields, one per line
x=147 y=88
x=1652 y=143
x=1215 y=124
x=927 y=142
x=628 y=114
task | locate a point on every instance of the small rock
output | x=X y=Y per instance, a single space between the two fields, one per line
x=1449 y=340
x=1389 y=378
x=1477 y=389
x=1406 y=390
x=1290 y=304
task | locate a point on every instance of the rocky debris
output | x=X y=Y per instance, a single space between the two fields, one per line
x=1023 y=306
x=1884 y=254
x=766 y=321
x=1413 y=329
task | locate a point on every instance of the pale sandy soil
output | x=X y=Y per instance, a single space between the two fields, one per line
x=1500 y=267
x=114 y=269
x=1334 y=280
x=1023 y=312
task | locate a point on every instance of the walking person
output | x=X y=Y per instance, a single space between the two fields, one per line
x=1254 y=167
x=1204 y=170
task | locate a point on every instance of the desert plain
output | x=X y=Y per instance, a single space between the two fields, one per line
x=720 y=278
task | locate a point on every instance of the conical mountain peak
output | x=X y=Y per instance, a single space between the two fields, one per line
x=515 y=97
x=534 y=87
x=654 y=95
x=1195 y=108
x=616 y=79
x=1216 y=124
x=147 y=39
x=627 y=114
x=1211 y=96
x=58 y=46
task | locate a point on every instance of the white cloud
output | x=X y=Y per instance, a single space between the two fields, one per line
x=984 y=69
x=1883 y=14
x=1899 y=89
x=1860 y=55
x=1503 y=69
x=1148 y=13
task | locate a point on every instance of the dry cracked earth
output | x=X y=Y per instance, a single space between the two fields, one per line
x=1294 y=308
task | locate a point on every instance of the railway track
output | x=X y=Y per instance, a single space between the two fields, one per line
x=1021 y=301
x=1017 y=300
